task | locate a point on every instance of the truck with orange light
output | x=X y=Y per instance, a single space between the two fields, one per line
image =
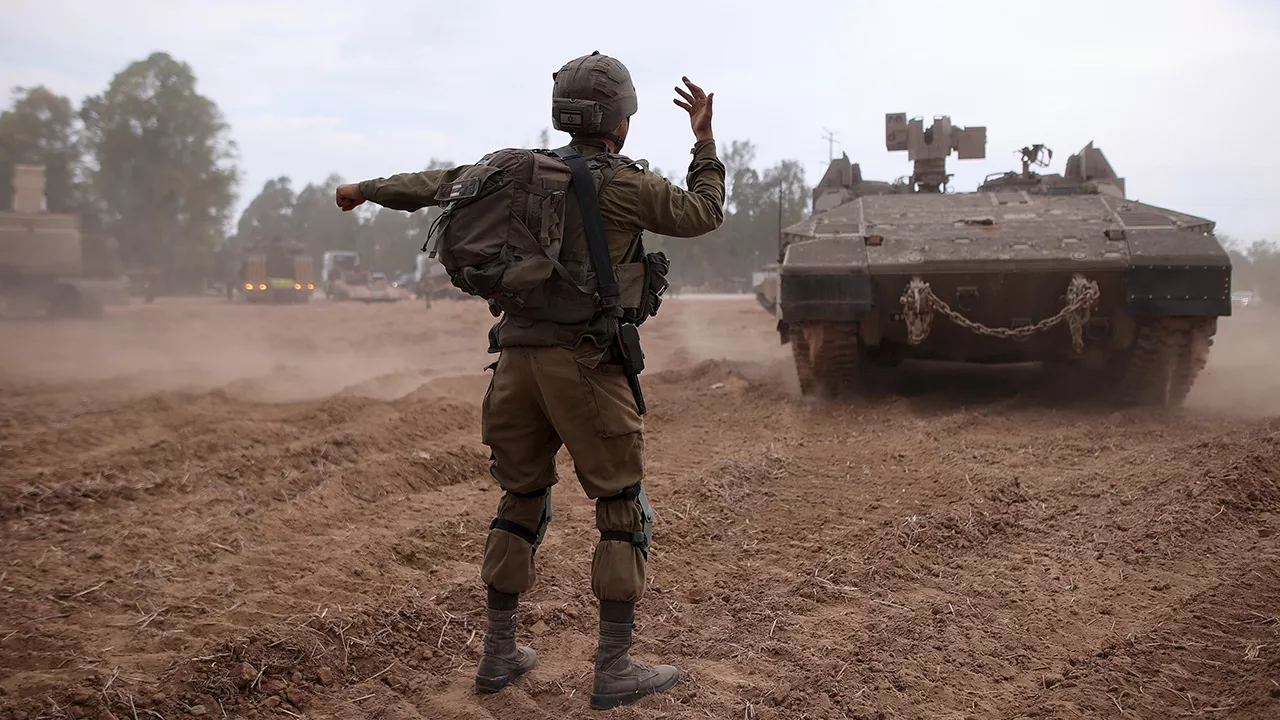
x=277 y=273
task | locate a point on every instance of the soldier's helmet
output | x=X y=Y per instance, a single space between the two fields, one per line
x=591 y=95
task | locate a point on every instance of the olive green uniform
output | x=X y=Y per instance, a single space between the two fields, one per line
x=556 y=384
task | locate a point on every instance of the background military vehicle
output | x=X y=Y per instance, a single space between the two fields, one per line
x=379 y=289
x=47 y=265
x=346 y=279
x=340 y=271
x=764 y=284
x=277 y=272
x=1062 y=269
x=431 y=281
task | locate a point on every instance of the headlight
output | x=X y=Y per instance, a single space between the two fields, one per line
x=248 y=286
x=262 y=286
x=297 y=286
x=310 y=286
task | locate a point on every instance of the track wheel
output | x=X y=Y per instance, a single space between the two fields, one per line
x=826 y=357
x=1166 y=358
x=804 y=363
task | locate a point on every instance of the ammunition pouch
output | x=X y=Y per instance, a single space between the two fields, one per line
x=642 y=285
x=630 y=354
x=642 y=539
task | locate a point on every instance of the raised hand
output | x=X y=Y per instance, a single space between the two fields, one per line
x=698 y=104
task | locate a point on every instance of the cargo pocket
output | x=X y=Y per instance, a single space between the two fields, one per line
x=607 y=396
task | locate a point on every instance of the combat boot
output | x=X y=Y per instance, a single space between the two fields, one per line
x=620 y=680
x=503 y=661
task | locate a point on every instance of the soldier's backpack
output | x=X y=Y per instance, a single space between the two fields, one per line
x=514 y=232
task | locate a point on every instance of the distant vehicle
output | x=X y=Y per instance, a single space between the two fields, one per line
x=276 y=272
x=340 y=272
x=377 y=290
x=431 y=281
x=1244 y=299
x=47 y=265
x=764 y=283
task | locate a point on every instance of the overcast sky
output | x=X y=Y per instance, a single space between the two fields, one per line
x=1182 y=96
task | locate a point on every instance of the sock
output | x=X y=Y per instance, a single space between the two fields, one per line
x=502 y=601
x=617 y=612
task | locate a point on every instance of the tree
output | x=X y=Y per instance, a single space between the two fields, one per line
x=1264 y=266
x=40 y=130
x=268 y=214
x=321 y=226
x=163 y=167
x=387 y=242
x=399 y=243
x=756 y=204
x=737 y=159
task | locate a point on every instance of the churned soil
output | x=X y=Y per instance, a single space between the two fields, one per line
x=214 y=510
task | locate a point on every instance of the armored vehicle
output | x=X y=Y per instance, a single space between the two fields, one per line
x=764 y=284
x=48 y=266
x=1061 y=269
x=340 y=272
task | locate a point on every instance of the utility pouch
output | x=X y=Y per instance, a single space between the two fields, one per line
x=632 y=357
x=656 y=266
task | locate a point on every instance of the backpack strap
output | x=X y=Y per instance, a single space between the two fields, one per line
x=593 y=224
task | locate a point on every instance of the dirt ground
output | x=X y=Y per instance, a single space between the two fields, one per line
x=212 y=510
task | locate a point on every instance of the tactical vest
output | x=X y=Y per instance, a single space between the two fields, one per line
x=511 y=232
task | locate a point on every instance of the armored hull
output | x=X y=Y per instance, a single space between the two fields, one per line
x=1063 y=270
x=48 y=266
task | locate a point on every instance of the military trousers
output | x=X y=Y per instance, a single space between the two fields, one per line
x=540 y=399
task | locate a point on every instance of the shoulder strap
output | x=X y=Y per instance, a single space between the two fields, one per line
x=593 y=224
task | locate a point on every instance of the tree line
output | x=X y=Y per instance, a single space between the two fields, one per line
x=150 y=162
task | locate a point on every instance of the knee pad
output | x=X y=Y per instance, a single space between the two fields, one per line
x=533 y=537
x=644 y=538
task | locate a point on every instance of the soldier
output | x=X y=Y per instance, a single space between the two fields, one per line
x=557 y=383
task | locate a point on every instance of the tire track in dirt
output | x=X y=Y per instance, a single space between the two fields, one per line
x=1008 y=542
x=170 y=553
x=1203 y=655
x=715 y=644
x=794 y=619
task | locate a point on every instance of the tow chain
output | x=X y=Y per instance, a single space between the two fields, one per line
x=919 y=302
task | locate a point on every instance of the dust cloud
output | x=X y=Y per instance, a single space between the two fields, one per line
x=311 y=351
x=282 y=353
x=1242 y=376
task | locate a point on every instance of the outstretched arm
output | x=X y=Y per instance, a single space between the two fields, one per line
x=405 y=191
x=666 y=209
